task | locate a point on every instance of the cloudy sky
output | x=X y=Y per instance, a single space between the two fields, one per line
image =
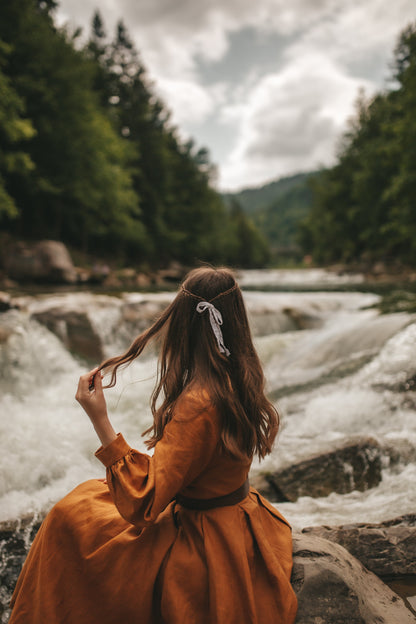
x=266 y=85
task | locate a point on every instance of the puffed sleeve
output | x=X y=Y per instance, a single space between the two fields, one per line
x=142 y=485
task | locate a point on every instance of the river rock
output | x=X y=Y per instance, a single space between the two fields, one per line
x=265 y=321
x=355 y=466
x=331 y=585
x=388 y=549
x=139 y=315
x=302 y=319
x=5 y=333
x=5 y=302
x=16 y=537
x=9 y=326
x=127 y=279
x=174 y=273
x=75 y=330
x=45 y=261
x=335 y=588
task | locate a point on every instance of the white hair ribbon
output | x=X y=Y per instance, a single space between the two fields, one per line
x=215 y=319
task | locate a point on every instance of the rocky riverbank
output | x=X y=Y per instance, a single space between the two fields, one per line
x=49 y=263
x=46 y=263
x=356 y=574
x=346 y=377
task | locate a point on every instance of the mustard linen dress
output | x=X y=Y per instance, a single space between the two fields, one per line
x=128 y=553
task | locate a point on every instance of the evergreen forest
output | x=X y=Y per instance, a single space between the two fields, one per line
x=277 y=209
x=364 y=208
x=88 y=154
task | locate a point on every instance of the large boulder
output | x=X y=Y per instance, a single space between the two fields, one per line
x=335 y=588
x=6 y=302
x=44 y=261
x=174 y=273
x=355 y=466
x=388 y=549
x=331 y=585
x=75 y=330
x=16 y=537
x=138 y=313
x=85 y=324
x=265 y=320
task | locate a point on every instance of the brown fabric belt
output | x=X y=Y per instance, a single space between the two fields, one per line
x=202 y=504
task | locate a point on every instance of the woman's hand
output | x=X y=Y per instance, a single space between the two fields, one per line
x=90 y=396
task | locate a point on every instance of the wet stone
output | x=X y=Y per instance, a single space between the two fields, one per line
x=356 y=466
x=75 y=330
x=334 y=588
x=388 y=549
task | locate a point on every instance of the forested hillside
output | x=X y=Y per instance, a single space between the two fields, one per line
x=364 y=208
x=257 y=199
x=88 y=155
x=277 y=209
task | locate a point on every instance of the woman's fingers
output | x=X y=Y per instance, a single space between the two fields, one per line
x=91 y=397
x=87 y=383
x=98 y=381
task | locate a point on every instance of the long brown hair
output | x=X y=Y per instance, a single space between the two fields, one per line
x=190 y=355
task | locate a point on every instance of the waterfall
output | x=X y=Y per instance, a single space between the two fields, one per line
x=336 y=368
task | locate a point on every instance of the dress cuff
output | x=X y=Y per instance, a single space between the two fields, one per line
x=114 y=451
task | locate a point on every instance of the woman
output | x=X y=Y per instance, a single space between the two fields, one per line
x=177 y=537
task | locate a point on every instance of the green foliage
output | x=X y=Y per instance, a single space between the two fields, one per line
x=279 y=220
x=364 y=207
x=14 y=131
x=80 y=190
x=277 y=209
x=257 y=200
x=245 y=241
x=87 y=154
x=185 y=218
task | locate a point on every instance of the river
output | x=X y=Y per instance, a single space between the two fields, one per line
x=336 y=368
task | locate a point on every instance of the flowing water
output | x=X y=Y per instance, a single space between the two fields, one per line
x=336 y=368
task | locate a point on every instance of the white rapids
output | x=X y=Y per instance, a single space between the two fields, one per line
x=330 y=359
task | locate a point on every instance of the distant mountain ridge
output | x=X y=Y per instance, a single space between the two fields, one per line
x=253 y=199
x=277 y=208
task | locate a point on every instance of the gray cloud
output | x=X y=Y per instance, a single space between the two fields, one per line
x=300 y=135
x=291 y=120
x=277 y=79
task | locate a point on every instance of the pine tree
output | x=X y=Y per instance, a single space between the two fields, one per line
x=364 y=207
x=15 y=131
x=81 y=189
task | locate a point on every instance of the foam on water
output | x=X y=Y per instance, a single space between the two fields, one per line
x=32 y=357
x=50 y=443
x=363 y=404
x=299 y=277
x=357 y=405
x=394 y=496
x=345 y=337
x=396 y=362
x=47 y=442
